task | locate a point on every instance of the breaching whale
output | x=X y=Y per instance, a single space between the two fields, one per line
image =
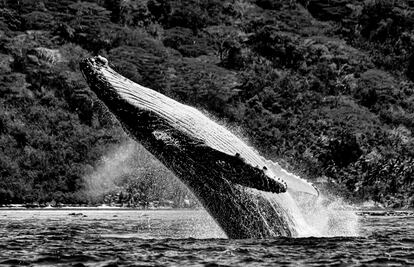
x=247 y=195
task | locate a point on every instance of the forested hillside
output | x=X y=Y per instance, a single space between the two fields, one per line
x=325 y=87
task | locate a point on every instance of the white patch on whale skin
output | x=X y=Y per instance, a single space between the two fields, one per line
x=166 y=138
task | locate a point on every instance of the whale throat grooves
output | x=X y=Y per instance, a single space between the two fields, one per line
x=247 y=195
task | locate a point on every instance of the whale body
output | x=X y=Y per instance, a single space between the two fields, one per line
x=247 y=195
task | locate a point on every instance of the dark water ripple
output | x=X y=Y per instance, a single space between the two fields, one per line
x=177 y=238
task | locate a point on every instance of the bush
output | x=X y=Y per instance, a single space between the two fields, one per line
x=115 y=7
x=410 y=68
x=382 y=19
x=37 y=20
x=187 y=13
x=11 y=18
x=376 y=89
x=134 y=13
x=188 y=16
x=87 y=22
x=160 y=9
x=324 y=10
x=280 y=47
x=343 y=150
x=178 y=36
x=73 y=54
x=137 y=38
x=270 y=4
x=183 y=40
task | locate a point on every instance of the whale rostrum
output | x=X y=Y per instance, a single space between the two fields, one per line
x=247 y=195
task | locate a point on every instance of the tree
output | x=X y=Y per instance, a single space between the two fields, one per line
x=134 y=13
x=160 y=9
x=280 y=47
x=87 y=22
x=115 y=7
x=226 y=41
x=410 y=69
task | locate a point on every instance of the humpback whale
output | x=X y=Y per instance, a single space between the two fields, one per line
x=247 y=195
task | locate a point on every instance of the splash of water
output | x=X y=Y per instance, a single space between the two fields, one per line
x=109 y=169
x=329 y=216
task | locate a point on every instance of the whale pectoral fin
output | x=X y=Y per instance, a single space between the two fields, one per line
x=236 y=170
x=294 y=183
x=262 y=182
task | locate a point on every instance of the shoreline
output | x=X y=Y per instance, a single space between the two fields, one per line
x=359 y=212
x=92 y=208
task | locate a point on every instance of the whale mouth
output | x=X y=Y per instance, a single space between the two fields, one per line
x=258 y=173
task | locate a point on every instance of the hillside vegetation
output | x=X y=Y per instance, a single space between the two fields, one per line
x=325 y=87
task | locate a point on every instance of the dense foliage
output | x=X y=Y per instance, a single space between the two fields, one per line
x=323 y=86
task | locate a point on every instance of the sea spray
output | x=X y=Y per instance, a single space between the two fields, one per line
x=128 y=165
x=329 y=216
x=109 y=169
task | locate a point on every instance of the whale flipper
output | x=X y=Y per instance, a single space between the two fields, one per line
x=294 y=183
x=237 y=171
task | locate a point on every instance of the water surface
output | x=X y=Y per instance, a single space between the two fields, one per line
x=186 y=237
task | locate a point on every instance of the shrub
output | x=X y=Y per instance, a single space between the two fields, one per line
x=135 y=13
x=115 y=7
x=178 y=36
x=410 y=68
x=269 y=4
x=187 y=13
x=73 y=54
x=188 y=16
x=280 y=47
x=378 y=20
x=87 y=22
x=344 y=149
x=11 y=18
x=183 y=40
x=37 y=20
x=335 y=10
x=160 y=9
x=376 y=87
x=125 y=36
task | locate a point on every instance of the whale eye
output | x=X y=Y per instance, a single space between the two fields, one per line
x=101 y=60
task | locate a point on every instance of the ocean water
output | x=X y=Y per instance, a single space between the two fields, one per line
x=187 y=238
